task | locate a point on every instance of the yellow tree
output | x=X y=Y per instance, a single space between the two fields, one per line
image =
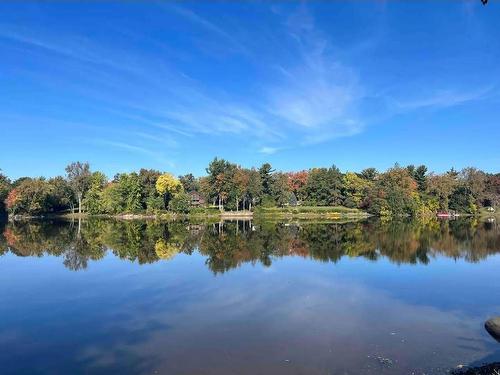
x=355 y=188
x=168 y=186
x=166 y=250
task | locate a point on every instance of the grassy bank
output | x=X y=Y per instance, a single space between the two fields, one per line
x=299 y=212
x=199 y=213
x=310 y=212
x=195 y=213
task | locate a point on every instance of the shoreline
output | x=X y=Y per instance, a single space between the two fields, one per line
x=271 y=213
x=222 y=215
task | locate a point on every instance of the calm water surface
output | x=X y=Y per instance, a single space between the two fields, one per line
x=247 y=298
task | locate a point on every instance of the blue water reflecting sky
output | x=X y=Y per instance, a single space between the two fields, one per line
x=296 y=316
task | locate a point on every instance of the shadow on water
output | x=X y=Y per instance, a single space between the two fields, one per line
x=487 y=365
x=480 y=368
x=227 y=245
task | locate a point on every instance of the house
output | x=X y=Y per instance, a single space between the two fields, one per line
x=196 y=199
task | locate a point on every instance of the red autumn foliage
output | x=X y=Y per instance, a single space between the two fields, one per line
x=296 y=180
x=11 y=198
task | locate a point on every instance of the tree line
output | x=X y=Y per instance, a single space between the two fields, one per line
x=398 y=191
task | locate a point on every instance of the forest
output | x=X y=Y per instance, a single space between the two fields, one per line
x=398 y=191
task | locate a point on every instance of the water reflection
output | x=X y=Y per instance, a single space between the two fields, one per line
x=371 y=313
x=227 y=245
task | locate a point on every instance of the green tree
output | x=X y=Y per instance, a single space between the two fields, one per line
x=411 y=170
x=93 y=198
x=189 y=183
x=154 y=204
x=180 y=202
x=111 y=201
x=131 y=191
x=462 y=200
x=5 y=187
x=123 y=194
x=441 y=187
x=78 y=175
x=254 y=188
x=280 y=189
x=474 y=181
x=150 y=196
x=61 y=197
x=220 y=181
x=394 y=193
x=420 y=177
x=369 y=174
x=324 y=186
x=266 y=177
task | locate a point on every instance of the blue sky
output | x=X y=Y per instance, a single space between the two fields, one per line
x=170 y=85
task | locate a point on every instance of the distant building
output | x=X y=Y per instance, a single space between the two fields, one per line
x=196 y=199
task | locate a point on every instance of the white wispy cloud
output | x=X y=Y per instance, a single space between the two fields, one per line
x=205 y=24
x=76 y=47
x=209 y=116
x=444 y=98
x=268 y=150
x=316 y=93
x=168 y=141
x=158 y=156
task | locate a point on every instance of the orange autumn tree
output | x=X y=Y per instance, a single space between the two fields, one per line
x=10 y=202
x=296 y=182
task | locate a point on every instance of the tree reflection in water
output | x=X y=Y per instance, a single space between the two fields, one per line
x=227 y=245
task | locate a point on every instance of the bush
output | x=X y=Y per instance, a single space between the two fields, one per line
x=204 y=211
x=307 y=209
x=154 y=204
x=181 y=203
x=268 y=201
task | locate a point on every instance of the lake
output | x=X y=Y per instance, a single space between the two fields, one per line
x=136 y=297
